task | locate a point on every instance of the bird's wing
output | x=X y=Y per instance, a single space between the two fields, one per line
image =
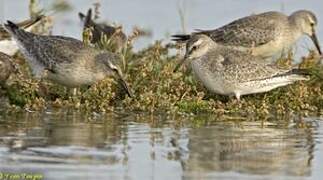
x=106 y=29
x=53 y=50
x=250 y=31
x=24 y=24
x=240 y=66
x=253 y=71
x=223 y=56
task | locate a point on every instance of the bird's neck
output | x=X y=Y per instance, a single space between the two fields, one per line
x=294 y=24
x=295 y=28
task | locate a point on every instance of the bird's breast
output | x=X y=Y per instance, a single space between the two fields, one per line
x=210 y=79
x=74 y=75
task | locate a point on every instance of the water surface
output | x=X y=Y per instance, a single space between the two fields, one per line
x=71 y=145
x=65 y=145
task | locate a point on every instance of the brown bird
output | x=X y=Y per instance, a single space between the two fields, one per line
x=113 y=34
x=64 y=60
x=230 y=72
x=265 y=34
x=6 y=67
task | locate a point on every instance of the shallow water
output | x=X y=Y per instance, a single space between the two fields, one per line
x=69 y=145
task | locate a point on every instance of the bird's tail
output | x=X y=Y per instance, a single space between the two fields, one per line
x=88 y=18
x=298 y=75
x=16 y=32
x=186 y=37
x=287 y=78
x=81 y=16
x=12 y=28
x=304 y=72
x=181 y=37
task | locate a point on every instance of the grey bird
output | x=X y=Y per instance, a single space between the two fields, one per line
x=64 y=60
x=9 y=46
x=264 y=34
x=114 y=34
x=230 y=72
x=6 y=67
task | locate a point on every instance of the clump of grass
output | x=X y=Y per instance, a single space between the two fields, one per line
x=100 y=97
x=157 y=88
x=25 y=93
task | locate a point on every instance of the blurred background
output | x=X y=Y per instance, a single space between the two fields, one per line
x=162 y=18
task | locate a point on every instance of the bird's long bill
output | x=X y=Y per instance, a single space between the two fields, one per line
x=179 y=64
x=316 y=43
x=125 y=86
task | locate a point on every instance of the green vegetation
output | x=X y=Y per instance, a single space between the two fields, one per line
x=158 y=89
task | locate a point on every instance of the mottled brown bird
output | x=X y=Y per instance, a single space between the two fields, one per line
x=114 y=35
x=6 y=67
x=64 y=60
x=230 y=72
x=263 y=35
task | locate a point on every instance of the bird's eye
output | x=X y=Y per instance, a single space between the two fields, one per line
x=115 y=70
x=312 y=24
x=192 y=49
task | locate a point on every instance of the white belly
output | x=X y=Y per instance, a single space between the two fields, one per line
x=210 y=81
x=76 y=76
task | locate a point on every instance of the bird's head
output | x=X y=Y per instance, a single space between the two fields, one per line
x=196 y=46
x=307 y=22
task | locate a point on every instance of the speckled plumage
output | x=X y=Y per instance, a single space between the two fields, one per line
x=66 y=61
x=98 y=30
x=230 y=72
x=262 y=34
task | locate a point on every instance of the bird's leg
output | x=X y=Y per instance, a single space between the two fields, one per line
x=252 y=48
x=236 y=100
x=43 y=90
x=74 y=91
x=237 y=95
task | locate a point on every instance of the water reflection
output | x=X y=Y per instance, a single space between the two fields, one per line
x=71 y=144
x=251 y=149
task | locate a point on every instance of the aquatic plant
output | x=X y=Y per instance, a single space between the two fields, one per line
x=158 y=89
